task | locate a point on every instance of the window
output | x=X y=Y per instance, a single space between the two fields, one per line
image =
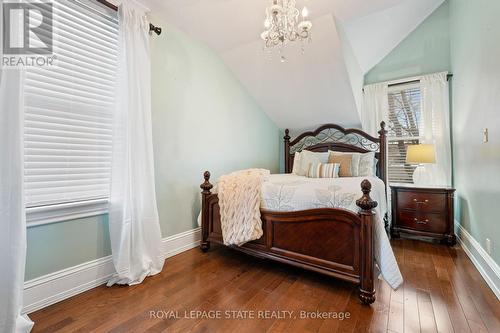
x=68 y=114
x=405 y=128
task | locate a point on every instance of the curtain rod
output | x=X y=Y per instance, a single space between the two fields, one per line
x=155 y=29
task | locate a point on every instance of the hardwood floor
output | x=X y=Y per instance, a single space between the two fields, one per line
x=443 y=292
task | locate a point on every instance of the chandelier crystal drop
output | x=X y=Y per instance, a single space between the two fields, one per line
x=284 y=24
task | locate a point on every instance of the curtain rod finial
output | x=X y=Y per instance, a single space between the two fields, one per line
x=156 y=30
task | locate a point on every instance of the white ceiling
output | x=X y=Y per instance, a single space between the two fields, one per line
x=323 y=84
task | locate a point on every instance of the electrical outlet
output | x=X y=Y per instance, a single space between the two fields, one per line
x=488 y=246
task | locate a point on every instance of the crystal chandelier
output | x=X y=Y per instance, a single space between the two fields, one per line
x=284 y=23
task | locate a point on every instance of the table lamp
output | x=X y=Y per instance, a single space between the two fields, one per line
x=421 y=154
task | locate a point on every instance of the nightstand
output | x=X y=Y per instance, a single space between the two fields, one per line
x=424 y=212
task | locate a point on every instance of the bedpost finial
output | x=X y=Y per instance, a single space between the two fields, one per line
x=287 y=135
x=382 y=131
x=366 y=186
x=365 y=202
x=206 y=186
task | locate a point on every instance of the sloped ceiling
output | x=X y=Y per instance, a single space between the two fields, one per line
x=324 y=83
x=375 y=36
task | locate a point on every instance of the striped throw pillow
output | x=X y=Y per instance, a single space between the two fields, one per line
x=326 y=170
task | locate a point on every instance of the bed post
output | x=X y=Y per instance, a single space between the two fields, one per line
x=367 y=285
x=286 y=138
x=206 y=187
x=383 y=152
x=383 y=169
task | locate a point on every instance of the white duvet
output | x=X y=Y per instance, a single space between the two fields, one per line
x=287 y=192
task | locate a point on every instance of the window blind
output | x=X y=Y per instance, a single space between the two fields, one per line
x=405 y=128
x=69 y=108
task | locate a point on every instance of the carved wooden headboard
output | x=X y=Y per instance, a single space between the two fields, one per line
x=337 y=138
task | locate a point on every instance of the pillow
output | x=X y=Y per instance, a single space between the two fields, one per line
x=345 y=162
x=320 y=170
x=362 y=164
x=296 y=163
x=349 y=163
x=354 y=168
x=307 y=158
x=375 y=163
x=366 y=165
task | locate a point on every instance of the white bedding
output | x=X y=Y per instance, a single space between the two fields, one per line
x=288 y=192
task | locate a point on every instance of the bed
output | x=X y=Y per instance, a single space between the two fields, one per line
x=338 y=242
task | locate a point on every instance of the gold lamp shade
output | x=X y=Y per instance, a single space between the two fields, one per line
x=419 y=154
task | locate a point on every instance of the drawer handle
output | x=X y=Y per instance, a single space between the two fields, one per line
x=421 y=222
x=421 y=202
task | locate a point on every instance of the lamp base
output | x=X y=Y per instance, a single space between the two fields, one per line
x=421 y=177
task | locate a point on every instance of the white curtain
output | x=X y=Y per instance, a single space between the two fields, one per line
x=436 y=124
x=375 y=107
x=375 y=110
x=133 y=214
x=12 y=210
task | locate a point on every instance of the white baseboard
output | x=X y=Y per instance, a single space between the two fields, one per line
x=487 y=267
x=184 y=241
x=55 y=287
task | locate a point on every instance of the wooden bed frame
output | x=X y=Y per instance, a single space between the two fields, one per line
x=331 y=241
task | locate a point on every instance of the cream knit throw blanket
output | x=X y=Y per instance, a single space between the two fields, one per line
x=239 y=201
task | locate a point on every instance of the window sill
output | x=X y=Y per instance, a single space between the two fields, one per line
x=36 y=216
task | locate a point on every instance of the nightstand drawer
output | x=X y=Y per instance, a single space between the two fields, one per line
x=423 y=211
x=435 y=223
x=422 y=202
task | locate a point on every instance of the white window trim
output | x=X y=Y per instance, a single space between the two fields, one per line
x=406 y=80
x=41 y=215
x=401 y=86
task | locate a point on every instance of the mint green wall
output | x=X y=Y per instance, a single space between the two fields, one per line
x=475 y=60
x=203 y=119
x=426 y=50
x=462 y=36
x=56 y=246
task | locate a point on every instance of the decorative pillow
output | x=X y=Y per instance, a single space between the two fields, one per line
x=366 y=165
x=362 y=165
x=309 y=157
x=346 y=163
x=320 y=170
x=354 y=168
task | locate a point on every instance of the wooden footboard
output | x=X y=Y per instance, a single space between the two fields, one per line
x=335 y=242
